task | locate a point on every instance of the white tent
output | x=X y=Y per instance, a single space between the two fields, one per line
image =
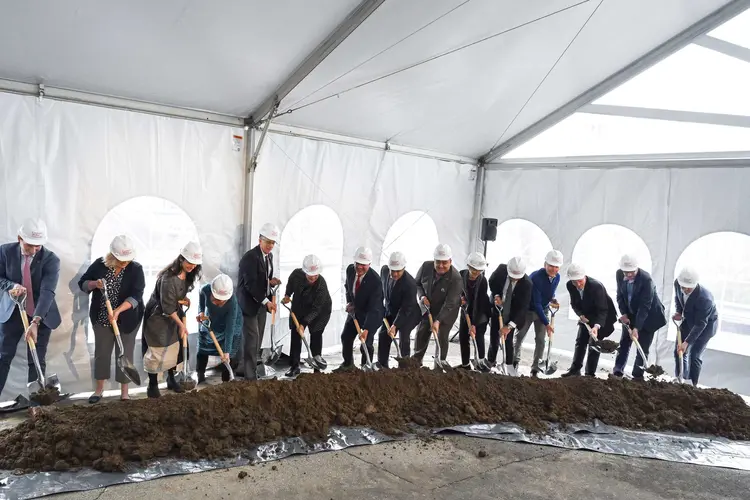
x=400 y=117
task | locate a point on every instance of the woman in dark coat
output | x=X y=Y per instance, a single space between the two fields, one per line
x=476 y=302
x=125 y=283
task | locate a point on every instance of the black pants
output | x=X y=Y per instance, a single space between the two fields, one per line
x=385 y=341
x=347 y=342
x=11 y=333
x=495 y=342
x=253 y=327
x=464 y=340
x=583 y=345
x=202 y=363
x=645 y=338
x=316 y=345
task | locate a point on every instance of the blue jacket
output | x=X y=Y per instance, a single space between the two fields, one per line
x=542 y=292
x=226 y=323
x=698 y=312
x=45 y=272
x=644 y=310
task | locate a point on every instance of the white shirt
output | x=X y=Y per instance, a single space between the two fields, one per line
x=510 y=285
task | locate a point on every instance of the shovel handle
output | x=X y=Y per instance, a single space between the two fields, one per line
x=216 y=343
x=388 y=328
x=184 y=339
x=111 y=313
x=468 y=323
x=296 y=323
x=273 y=313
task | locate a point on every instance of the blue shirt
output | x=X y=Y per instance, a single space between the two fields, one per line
x=629 y=286
x=542 y=292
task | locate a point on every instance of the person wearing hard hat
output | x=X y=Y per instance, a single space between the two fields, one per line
x=401 y=308
x=254 y=294
x=364 y=302
x=594 y=307
x=544 y=286
x=640 y=309
x=125 y=282
x=27 y=268
x=696 y=309
x=218 y=304
x=312 y=306
x=164 y=326
x=511 y=291
x=476 y=303
x=439 y=287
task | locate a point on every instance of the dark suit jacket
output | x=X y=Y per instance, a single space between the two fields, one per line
x=596 y=305
x=401 y=307
x=478 y=305
x=444 y=294
x=132 y=286
x=368 y=302
x=252 y=285
x=519 y=303
x=697 y=312
x=45 y=272
x=645 y=312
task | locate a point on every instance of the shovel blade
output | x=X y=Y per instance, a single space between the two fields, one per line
x=275 y=355
x=265 y=372
x=314 y=364
x=129 y=370
x=551 y=369
x=229 y=369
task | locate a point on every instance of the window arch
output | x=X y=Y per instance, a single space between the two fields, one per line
x=315 y=229
x=159 y=229
x=721 y=260
x=415 y=235
x=518 y=237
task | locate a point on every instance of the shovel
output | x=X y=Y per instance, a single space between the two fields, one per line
x=312 y=362
x=502 y=339
x=438 y=357
x=271 y=355
x=478 y=364
x=368 y=367
x=680 y=374
x=551 y=368
x=640 y=350
x=125 y=366
x=393 y=339
x=593 y=341
x=207 y=323
x=186 y=379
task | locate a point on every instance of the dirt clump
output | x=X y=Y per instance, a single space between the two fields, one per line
x=187 y=385
x=655 y=370
x=482 y=454
x=608 y=346
x=46 y=396
x=221 y=420
x=242 y=474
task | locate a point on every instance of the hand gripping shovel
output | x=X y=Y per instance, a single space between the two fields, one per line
x=125 y=366
x=185 y=378
x=551 y=368
x=478 y=364
x=312 y=362
x=271 y=355
x=368 y=366
x=502 y=340
x=593 y=341
x=680 y=374
x=393 y=339
x=438 y=357
x=652 y=370
x=207 y=323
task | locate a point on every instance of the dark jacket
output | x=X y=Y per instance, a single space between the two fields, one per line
x=519 y=303
x=311 y=303
x=226 y=324
x=368 y=302
x=132 y=286
x=645 y=311
x=45 y=272
x=252 y=286
x=401 y=307
x=596 y=305
x=477 y=303
x=444 y=293
x=698 y=312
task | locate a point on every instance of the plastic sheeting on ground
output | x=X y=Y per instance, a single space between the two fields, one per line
x=715 y=452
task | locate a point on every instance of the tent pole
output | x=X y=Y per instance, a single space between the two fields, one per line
x=477 y=215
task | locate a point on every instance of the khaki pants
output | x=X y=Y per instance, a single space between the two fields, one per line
x=540 y=336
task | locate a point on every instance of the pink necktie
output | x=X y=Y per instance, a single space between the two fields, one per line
x=26 y=278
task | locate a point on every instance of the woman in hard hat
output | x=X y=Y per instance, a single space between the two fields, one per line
x=312 y=306
x=125 y=282
x=164 y=328
x=476 y=303
x=218 y=304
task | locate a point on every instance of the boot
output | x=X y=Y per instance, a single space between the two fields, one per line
x=201 y=378
x=153 y=387
x=172 y=384
x=571 y=373
x=293 y=372
x=464 y=367
x=344 y=368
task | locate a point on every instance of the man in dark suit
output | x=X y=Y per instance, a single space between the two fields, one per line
x=401 y=308
x=696 y=309
x=27 y=268
x=640 y=308
x=592 y=305
x=254 y=295
x=511 y=289
x=364 y=302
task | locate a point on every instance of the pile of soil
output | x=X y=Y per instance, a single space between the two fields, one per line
x=608 y=346
x=655 y=370
x=46 y=396
x=223 y=419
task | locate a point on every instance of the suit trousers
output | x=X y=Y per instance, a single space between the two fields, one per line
x=692 y=359
x=464 y=340
x=11 y=333
x=422 y=340
x=583 y=345
x=253 y=328
x=104 y=342
x=645 y=338
x=540 y=333
x=510 y=352
x=384 y=345
x=347 y=343
x=295 y=349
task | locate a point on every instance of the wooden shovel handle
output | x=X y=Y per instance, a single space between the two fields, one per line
x=388 y=328
x=111 y=313
x=273 y=313
x=296 y=323
x=468 y=323
x=216 y=343
x=25 y=321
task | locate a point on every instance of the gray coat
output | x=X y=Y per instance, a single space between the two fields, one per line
x=444 y=293
x=159 y=329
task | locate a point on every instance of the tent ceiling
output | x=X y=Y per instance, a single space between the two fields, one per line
x=229 y=56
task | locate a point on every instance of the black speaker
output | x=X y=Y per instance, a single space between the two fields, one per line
x=489 y=229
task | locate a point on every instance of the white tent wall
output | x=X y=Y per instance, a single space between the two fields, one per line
x=668 y=208
x=70 y=164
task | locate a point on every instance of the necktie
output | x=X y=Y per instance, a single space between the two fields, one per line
x=268 y=274
x=26 y=278
x=507 y=300
x=356 y=285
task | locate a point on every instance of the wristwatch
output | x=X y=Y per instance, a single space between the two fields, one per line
x=37 y=320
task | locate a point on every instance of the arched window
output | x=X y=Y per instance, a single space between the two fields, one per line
x=415 y=235
x=518 y=237
x=159 y=229
x=314 y=230
x=721 y=260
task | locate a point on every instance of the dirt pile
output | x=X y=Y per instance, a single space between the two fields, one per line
x=218 y=420
x=608 y=346
x=655 y=370
x=46 y=396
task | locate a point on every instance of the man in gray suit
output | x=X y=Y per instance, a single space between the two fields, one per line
x=439 y=287
x=27 y=268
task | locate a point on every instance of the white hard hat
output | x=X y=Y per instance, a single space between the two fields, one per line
x=192 y=253
x=442 y=252
x=363 y=255
x=688 y=277
x=628 y=263
x=516 y=268
x=397 y=261
x=554 y=258
x=270 y=232
x=311 y=265
x=576 y=272
x=476 y=260
x=123 y=248
x=33 y=232
x=222 y=287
